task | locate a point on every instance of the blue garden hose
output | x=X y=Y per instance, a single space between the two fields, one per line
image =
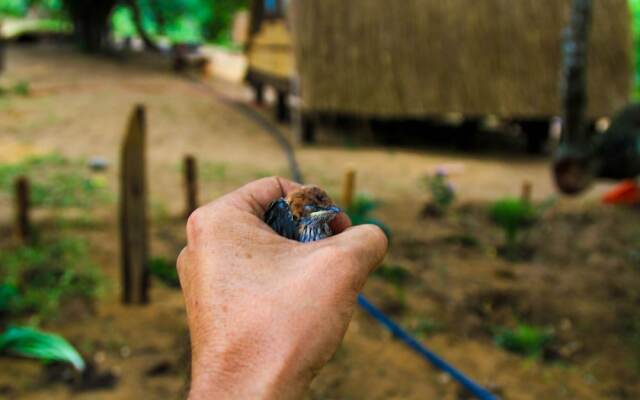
x=477 y=390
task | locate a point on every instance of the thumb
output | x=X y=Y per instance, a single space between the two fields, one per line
x=366 y=245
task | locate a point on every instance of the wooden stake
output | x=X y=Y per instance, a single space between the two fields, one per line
x=190 y=184
x=527 y=189
x=23 y=228
x=133 y=212
x=348 y=188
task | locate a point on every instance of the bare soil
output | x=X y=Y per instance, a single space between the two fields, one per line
x=582 y=279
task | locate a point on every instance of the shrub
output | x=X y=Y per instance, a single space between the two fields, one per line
x=513 y=215
x=360 y=212
x=526 y=340
x=442 y=192
x=165 y=271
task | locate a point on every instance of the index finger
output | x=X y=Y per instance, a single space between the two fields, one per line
x=256 y=196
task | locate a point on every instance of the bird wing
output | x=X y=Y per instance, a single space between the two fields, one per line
x=280 y=219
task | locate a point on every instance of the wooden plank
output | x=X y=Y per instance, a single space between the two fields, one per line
x=134 y=240
x=23 y=226
x=190 y=170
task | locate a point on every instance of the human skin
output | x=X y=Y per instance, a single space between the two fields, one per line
x=266 y=313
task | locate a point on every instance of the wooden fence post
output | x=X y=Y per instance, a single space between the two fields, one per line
x=282 y=106
x=527 y=189
x=190 y=171
x=348 y=188
x=23 y=227
x=134 y=241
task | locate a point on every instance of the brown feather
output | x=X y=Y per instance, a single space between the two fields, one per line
x=305 y=195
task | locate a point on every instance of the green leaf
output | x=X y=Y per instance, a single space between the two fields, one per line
x=33 y=343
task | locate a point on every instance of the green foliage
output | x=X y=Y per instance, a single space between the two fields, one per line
x=55 y=182
x=22 y=88
x=526 y=340
x=441 y=190
x=165 y=271
x=37 y=279
x=424 y=327
x=14 y=8
x=360 y=212
x=635 y=26
x=394 y=274
x=9 y=299
x=20 y=8
x=33 y=343
x=513 y=215
x=180 y=21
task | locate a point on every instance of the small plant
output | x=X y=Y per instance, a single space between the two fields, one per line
x=33 y=343
x=9 y=300
x=22 y=88
x=165 y=271
x=426 y=326
x=513 y=216
x=397 y=276
x=442 y=193
x=360 y=212
x=38 y=279
x=526 y=340
x=393 y=274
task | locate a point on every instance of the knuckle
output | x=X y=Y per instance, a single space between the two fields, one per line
x=195 y=223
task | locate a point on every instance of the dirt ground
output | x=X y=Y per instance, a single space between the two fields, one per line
x=581 y=280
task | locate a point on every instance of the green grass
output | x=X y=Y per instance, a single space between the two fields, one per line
x=37 y=280
x=55 y=182
x=20 y=88
x=526 y=340
x=165 y=271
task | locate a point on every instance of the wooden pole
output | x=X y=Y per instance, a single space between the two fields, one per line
x=23 y=228
x=133 y=212
x=348 y=188
x=190 y=170
x=282 y=106
x=527 y=189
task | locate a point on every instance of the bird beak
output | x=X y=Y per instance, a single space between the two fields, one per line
x=327 y=212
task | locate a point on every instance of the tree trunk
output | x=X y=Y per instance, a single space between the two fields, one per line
x=137 y=21
x=573 y=165
x=574 y=89
x=90 y=22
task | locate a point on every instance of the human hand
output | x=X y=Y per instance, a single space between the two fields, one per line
x=266 y=313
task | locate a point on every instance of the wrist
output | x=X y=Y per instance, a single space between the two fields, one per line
x=240 y=372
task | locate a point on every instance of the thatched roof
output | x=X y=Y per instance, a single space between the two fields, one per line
x=424 y=57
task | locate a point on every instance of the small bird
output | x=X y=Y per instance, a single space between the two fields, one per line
x=304 y=215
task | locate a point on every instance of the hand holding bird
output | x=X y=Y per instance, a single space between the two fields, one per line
x=266 y=313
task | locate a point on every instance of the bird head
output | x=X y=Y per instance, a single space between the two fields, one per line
x=312 y=205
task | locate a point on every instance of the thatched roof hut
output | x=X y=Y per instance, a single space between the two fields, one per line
x=415 y=58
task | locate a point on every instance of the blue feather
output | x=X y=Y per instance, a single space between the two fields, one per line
x=278 y=216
